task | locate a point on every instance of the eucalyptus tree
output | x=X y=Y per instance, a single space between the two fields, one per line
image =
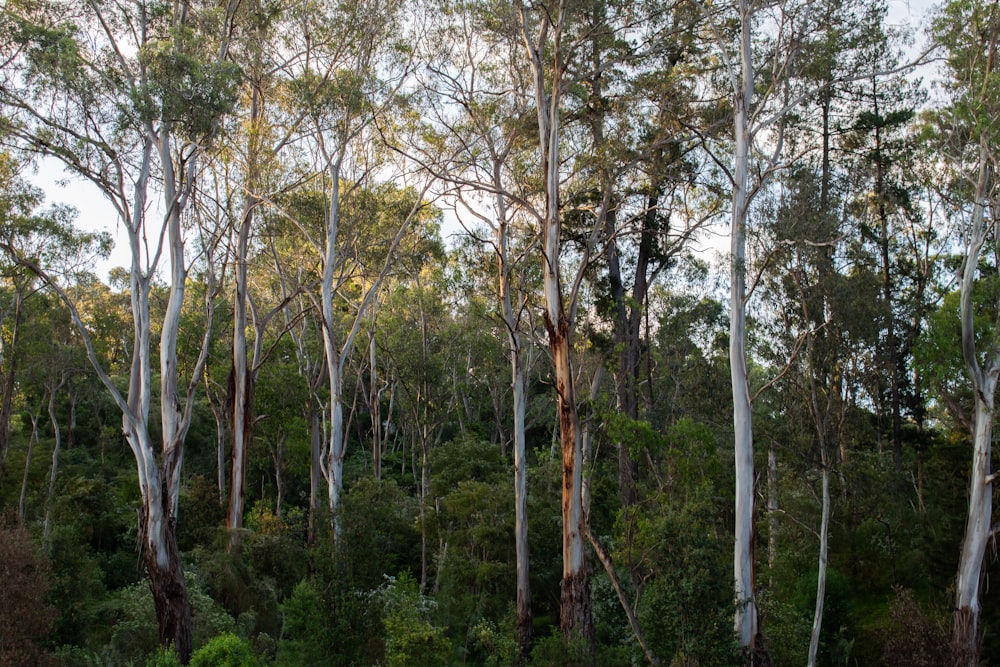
x=756 y=151
x=544 y=27
x=758 y=44
x=969 y=31
x=477 y=92
x=352 y=80
x=256 y=166
x=128 y=97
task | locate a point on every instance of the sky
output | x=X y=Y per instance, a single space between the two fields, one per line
x=96 y=213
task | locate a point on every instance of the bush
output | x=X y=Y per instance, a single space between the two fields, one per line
x=226 y=650
x=411 y=640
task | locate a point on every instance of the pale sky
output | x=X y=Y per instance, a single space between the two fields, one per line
x=96 y=213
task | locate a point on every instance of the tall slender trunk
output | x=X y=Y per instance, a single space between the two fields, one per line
x=241 y=385
x=772 y=512
x=518 y=371
x=824 y=540
x=21 y=504
x=891 y=342
x=375 y=405
x=746 y=618
x=575 y=614
x=965 y=631
x=525 y=630
x=315 y=467
x=57 y=445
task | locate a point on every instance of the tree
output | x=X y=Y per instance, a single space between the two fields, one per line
x=543 y=29
x=485 y=140
x=970 y=33
x=130 y=85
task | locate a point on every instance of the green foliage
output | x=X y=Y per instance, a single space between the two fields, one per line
x=135 y=632
x=491 y=646
x=226 y=650
x=411 y=639
x=380 y=532
x=838 y=614
x=164 y=657
x=306 y=638
x=189 y=85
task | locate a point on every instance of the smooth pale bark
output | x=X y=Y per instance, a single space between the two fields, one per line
x=123 y=169
x=375 y=405
x=965 y=631
x=746 y=618
x=518 y=371
x=337 y=351
x=241 y=388
x=56 y=447
x=824 y=548
x=32 y=440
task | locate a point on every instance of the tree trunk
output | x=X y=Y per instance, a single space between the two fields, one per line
x=241 y=385
x=772 y=512
x=525 y=630
x=375 y=406
x=575 y=605
x=334 y=466
x=166 y=574
x=824 y=534
x=965 y=631
x=7 y=400
x=21 y=504
x=966 y=635
x=47 y=529
x=746 y=620
x=315 y=467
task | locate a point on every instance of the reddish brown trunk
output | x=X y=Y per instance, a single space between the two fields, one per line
x=575 y=616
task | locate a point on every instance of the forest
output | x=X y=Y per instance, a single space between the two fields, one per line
x=472 y=332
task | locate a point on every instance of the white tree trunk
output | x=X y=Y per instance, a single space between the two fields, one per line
x=54 y=472
x=824 y=539
x=745 y=622
x=22 y=502
x=965 y=632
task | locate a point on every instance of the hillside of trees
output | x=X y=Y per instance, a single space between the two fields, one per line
x=555 y=332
